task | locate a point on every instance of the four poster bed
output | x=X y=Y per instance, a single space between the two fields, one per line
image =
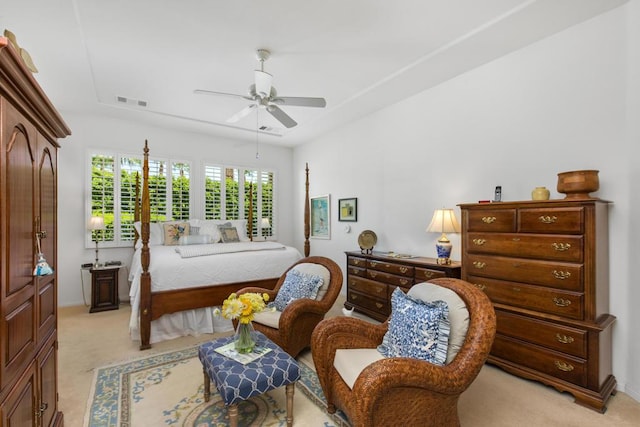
x=188 y=281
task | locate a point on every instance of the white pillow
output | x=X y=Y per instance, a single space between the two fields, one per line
x=200 y=239
x=210 y=226
x=156 y=233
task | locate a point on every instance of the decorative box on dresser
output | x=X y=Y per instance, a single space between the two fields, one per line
x=371 y=278
x=29 y=129
x=544 y=265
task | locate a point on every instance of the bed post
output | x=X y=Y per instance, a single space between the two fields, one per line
x=307 y=248
x=250 y=220
x=136 y=210
x=145 y=278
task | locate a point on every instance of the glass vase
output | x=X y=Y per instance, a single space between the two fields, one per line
x=244 y=340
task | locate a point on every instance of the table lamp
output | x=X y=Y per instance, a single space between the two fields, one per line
x=265 y=224
x=96 y=223
x=443 y=221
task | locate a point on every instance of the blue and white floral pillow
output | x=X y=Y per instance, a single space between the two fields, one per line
x=417 y=329
x=296 y=285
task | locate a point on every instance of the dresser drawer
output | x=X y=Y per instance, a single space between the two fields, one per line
x=370 y=287
x=358 y=262
x=356 y=271
x=550 y=247
x=551 y=220
x=494 y=220
x=392 y=279
x=399 y=269
x=553 y=363
x=554 y=274
x=424 y=274
x=380 y=306
x=536 y=298
x=546 y=334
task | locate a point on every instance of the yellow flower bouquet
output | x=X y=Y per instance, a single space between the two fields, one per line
x=243 y=308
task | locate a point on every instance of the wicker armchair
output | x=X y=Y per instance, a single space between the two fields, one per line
x=291 y=329
x=403 y=391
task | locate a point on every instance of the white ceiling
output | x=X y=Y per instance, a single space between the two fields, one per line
x=360 y=55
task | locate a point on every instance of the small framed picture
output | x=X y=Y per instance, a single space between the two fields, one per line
x=348 y=209
x=320 y=217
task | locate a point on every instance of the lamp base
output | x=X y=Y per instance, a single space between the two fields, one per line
x=444 y=252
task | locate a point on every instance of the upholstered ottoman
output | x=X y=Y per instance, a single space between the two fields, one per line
x=237 y=382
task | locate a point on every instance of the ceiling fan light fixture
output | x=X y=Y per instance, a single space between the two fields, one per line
x=263 y=83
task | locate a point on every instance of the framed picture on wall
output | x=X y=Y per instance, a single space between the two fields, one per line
x=348 y=209
x=320 y=217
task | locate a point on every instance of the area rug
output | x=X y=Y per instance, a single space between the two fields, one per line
x=167 y=389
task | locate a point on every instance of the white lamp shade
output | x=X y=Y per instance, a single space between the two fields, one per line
x=96 y=223
x=264 y=223
x=444 y=221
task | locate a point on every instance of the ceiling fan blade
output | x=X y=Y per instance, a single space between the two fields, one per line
x=300 y=101
x=241 y=114
x=263 y=83
x=281 y=116
x=211 y=92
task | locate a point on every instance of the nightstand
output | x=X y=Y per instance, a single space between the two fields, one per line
x=104 y=288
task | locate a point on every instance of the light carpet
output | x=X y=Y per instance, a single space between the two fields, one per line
x=167 y=389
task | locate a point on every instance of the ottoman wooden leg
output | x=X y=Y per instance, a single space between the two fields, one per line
x=290 y=389
x=207 y=386
x=233 y=415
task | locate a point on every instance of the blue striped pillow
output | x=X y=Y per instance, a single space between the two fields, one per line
x=417 y=329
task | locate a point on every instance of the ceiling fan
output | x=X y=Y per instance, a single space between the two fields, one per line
x=263 y=94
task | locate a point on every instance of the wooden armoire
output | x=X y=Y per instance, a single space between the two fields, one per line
x=29 y=129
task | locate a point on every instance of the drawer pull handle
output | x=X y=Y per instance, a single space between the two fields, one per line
x=488 y=219
x=479 y=242
x=561 y=247
x=403 y=281
x=562 y=275
x=564 y=339
x=480 y=286
x=379 y=290
x=354 y=297
x=373 y=274
x=403 y=269
x=428 y=274
x=514 y=289
x=374 y=264
x=564 y=366
x=379 y=305
x=561 y=302
x=546 y=219
x=478 y=264
x=356 y=261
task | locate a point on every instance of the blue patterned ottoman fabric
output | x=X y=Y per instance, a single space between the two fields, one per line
x=237 y=382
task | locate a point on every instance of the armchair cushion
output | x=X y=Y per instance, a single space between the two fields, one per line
x=349 y=362
x=426 y=339
x=313 y=269
x=270 y=318
x=458 y=313
x=295 y=286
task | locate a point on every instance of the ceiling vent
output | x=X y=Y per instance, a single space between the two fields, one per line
x=131 y=101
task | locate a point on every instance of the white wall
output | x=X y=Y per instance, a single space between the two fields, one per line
x=128 y=136
x=564 y=103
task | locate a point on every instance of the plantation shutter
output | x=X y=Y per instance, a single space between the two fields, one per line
x=102 y=195
x=180 y=183
x=213 y=192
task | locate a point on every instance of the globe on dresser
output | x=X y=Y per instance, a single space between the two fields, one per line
x=578 y=184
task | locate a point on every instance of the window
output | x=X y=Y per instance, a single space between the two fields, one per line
x=226 y=195
x=225 y=184
x=169 y=193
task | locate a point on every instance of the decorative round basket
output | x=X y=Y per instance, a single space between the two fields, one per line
x=578 y=184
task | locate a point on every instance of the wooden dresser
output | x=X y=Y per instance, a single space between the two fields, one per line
x=29 y=129
x=371 y=278
x=545 y=267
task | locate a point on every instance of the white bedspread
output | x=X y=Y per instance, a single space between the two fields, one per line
x=169 y=270
x=191 y=251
